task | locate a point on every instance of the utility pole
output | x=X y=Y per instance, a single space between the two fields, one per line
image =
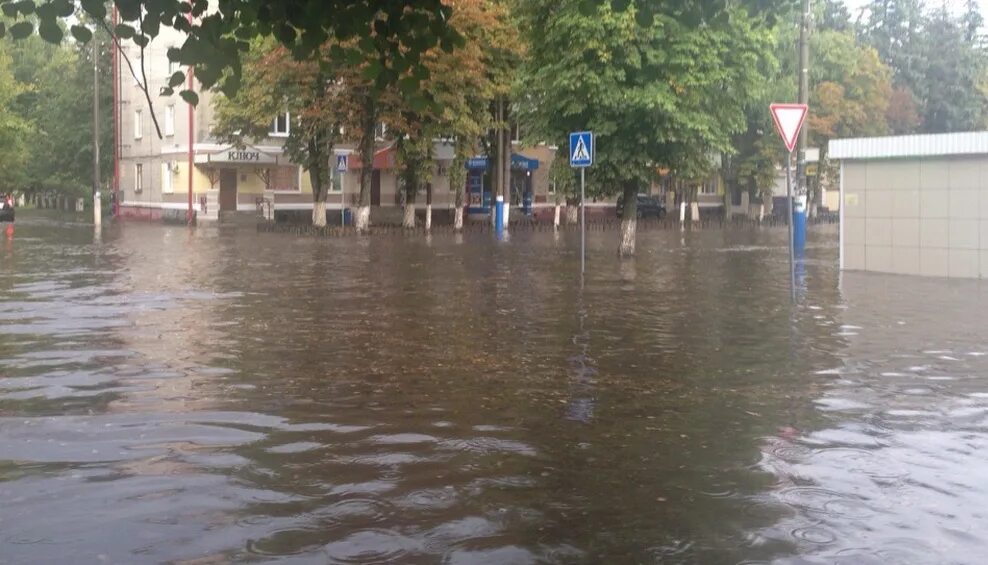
x=97 y=207
x=799 y=203
x=804 y=95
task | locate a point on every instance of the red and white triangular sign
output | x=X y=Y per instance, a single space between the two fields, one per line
x=789 y=120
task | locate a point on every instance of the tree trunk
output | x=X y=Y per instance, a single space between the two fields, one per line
x=555 y=217
x=368 y=123
x=362 y=222
x=629 y=221
x=319 y=214
x=695 y=212
x=318 y=195
x=428 y=206
x=572 y=214
x=408 y=221
x=458 y=219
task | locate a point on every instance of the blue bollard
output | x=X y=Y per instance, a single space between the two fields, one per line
x=799 y=224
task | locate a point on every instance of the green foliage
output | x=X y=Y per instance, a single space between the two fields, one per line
x=216 y=39
x=937 y=60
x=659 y=91
x=48 y=89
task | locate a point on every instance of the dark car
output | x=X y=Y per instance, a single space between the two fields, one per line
x=648 y=207
x=6 y=208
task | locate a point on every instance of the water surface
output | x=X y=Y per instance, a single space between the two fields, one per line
x=219 y=395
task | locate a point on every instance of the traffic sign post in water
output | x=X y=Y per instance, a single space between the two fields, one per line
x=789 y=120
x=581 y=157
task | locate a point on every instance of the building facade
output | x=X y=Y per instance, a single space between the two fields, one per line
x=158 y=175
x=915 y=204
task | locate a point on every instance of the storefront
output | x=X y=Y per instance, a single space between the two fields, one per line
x=479 y=183
x=239 y=178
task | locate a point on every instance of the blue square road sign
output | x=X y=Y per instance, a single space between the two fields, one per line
x=581 y=149
x=341 y=163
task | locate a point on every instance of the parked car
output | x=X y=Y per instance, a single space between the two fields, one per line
x=6 y=208
x=648 y=207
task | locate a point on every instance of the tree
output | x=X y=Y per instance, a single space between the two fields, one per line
x=462 y=82
x=55 y=99
x=273 y=83
x=14 y=129
x=953 y=101
x=660 y=85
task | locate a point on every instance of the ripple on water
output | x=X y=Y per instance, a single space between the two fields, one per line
x=511 y=554
x=457 y=532
x=298 y=447
x=812 y=499
x=372 y=546
x=814 y=534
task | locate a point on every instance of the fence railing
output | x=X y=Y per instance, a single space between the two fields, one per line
x=593 y=225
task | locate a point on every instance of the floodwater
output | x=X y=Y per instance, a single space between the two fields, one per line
x=221 y=396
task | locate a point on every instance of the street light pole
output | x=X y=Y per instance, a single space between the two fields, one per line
x=97 y=207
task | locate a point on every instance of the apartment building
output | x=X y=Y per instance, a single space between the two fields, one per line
x=186 y=166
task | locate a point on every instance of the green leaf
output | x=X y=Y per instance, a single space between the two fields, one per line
x=81 y=34
x=20 y=30
x=95 y=8
x=373 y=70
x=3 y=30
x=123 y=31
x=190 y=97
x=177 y=78
x=63 y=8
x=9 y=9
x=26 y=7
x=167 y=91
x=141 y=40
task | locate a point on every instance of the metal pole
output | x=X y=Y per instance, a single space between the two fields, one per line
x=804 y=95
x=97 y=212
x=583 y=221
x=792 y=262
x=190 y=215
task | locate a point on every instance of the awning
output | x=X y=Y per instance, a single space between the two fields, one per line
x=524 y=163
x=518 y=162
x=248 y=155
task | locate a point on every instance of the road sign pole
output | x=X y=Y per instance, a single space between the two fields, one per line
x=792 y=262
x=583 y=221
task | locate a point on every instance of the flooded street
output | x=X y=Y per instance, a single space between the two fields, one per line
x=222 y=396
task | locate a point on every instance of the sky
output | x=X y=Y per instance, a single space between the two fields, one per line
x=957 y=5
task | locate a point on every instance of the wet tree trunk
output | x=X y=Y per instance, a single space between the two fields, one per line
x=555 y=217
x=572 y=212
x=369 y=121
x=428 y=206
x=317 y=172
x=629 y=220
x=408 y=221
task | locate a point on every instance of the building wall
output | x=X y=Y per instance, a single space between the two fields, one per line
x=920 y=216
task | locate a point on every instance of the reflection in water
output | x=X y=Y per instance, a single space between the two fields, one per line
x=220 y=395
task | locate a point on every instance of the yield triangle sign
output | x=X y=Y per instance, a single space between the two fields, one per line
x=789 y=120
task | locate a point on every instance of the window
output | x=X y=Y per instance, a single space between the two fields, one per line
x=337 y=185
x=173 y=67
x=138 y=124
x=281 y=126
x=380 y=131
x=709 y=187
x=138 y=177
x=166 y=178
x=170 y=120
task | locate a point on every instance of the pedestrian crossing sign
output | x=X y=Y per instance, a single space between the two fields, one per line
x=581 y=149
x=341 y=163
